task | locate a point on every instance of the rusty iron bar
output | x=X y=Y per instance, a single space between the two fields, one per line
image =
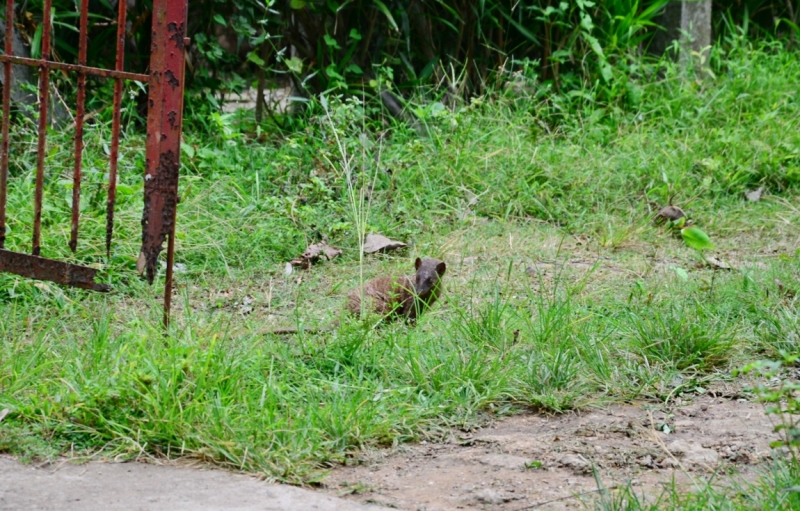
x=95 y=71
x=6 y=107
x=164 y=121
x=39 y=268
x=115 y=126
x=44 y=93
x=79 y=115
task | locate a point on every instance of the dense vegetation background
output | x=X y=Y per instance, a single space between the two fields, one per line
x=456 y=48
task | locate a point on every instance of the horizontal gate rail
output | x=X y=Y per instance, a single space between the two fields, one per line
x=40 y=268
x=96 y=71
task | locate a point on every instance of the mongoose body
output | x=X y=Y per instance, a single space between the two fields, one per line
x=393 y=297
x=396 y=297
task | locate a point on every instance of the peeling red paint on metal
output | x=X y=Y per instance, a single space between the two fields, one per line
x=171 y=80
x=79 y=115
x=44 y=95
x=115 y=125
x=160 y=201
x=6 y=108
x=164 y=120
x=178 y=35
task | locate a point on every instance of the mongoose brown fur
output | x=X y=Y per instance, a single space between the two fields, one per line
x=394 y=297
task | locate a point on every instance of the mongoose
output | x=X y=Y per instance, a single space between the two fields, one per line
x=394 y=297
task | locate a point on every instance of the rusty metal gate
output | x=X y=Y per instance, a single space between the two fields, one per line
x=164 y=121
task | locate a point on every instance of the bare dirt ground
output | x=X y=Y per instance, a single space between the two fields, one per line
x=517 y=463
x=539 y=462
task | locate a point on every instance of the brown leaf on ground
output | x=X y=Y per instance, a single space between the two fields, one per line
x=314 y=253
x=378 y=242
x=754 y=195
x=670 y=213
x=717 y=263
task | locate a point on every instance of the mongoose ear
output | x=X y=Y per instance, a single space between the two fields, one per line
x=417 y=263
x=440 y=268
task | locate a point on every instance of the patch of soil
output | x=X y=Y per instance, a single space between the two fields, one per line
x=540 y=462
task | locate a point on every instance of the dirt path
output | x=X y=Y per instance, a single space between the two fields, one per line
x=487 y=469
x=484 y=469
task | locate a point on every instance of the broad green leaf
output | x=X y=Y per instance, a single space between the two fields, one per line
x=330 y=41
x=219 y=19
x=255 y=59
x=586 y=22
x=294 y=64
x=355 y=34
x=677 y=224
x=353 y=68
x=683 y=274
x=605 y=71
x=696 y=239
x=297 y=4
x=595 y=44
x=332 y=73
x=187 y=150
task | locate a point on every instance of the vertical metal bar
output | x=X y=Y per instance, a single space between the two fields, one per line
x=81 y=111
x=44 y=89
x=171 y=239
x=168 y=282
x=164 y=121
x=115 y=126
x=6 y=107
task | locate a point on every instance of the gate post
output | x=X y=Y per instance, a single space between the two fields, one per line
x=164 y=122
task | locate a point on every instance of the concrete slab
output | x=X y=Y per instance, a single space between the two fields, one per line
x=142 y=487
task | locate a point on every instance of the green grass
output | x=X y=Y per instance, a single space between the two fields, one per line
x=560 y=291
x=775 y=488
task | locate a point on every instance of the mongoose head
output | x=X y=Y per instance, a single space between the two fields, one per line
x=429 y=272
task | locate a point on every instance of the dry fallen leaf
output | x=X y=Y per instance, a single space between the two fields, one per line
x=313 y=253
x=246 y=307
x=377 y=242
x=716 y=263
x=3 y=413
x=140 y=263
x=754 y=195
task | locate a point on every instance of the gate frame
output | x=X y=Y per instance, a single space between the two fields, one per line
x=164 y=128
